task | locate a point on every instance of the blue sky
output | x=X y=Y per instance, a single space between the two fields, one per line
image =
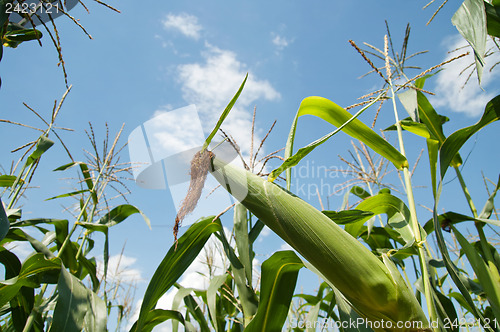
x=157 y=57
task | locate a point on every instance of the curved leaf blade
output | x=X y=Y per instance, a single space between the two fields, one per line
x=343 y=120
x=279 y=276
x=174 y=264
x=456 y=140
x=224 y=114
x=470 y=21
x=215 y=283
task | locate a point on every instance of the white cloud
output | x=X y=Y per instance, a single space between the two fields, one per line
x=211 y=85
x=286 y=246
x=280 y=42
x=184 y=23
x=120 y=269
x=450 y=90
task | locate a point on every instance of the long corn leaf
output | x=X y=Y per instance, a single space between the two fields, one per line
x=343 y=120
x=224 y=114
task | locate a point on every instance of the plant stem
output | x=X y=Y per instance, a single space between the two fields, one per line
x=414 y=221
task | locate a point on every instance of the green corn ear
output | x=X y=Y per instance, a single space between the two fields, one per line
x=375 y=291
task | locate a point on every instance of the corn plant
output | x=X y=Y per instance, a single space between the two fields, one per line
x=58 y=286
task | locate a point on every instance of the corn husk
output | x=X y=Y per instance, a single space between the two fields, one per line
x=377 y=292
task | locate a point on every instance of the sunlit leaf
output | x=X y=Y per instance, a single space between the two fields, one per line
x=225 y=114
x=456 y=140
x=409 y=101
x=489 y=206
x=470 y=21
x=247 y=295
x=43 y=144
x=343 y=120
x=74 y=193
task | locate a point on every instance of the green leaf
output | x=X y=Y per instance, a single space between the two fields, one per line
x=74 y=303
x=11 y=263
x=348 y=216
x=433 y=152
x=488 y=206
x=224 y=114
x=348 y=315
x=246 y=293
x=493 y=19
x=159 y=316
x=279 y=276
x=96 y=317
x=33 y=271
x=312 y=317
x=15 y=34
x=120 y=213
x=470 y=21
x=43 y=144
x=343 y=120
x=215 y=283
x=241 y=238
x=409 y=101
x=455 y=141
x=68 y=194
x=114 y=217
x=4 y=222
x=488 y=275
x=7 y=180
x=397 y=212
x=194 y=308
x=445 y=220
x=175 y=263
